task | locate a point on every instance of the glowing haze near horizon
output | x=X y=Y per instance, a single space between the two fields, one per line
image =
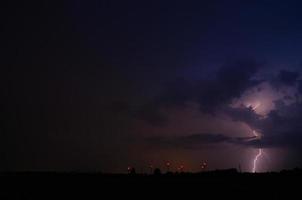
x=102 y=86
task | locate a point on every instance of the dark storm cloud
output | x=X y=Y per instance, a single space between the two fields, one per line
x=243 y=114
x=300 y=86
x=230 y=81
x=283 y=126
x=288 y=77
x=196 y=141
x=285 y=78
x=280 y=128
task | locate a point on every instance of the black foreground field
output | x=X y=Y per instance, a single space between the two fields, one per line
x=209 y=185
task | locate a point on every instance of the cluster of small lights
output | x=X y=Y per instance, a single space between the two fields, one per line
x=180 y=168
x=204 y=165
x=168 y=165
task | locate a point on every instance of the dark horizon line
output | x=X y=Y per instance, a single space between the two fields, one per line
x=233 y=170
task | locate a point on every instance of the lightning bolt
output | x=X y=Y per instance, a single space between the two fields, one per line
x=258 y=155
x=256 y=159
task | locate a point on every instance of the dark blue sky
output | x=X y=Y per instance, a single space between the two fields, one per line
x=101 y=85
x=194 y=31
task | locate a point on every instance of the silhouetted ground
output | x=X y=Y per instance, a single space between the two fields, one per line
x=208 y=185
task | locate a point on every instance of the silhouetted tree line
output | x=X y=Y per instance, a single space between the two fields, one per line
x=231 y=171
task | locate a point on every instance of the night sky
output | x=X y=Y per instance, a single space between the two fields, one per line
x=103 y=85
